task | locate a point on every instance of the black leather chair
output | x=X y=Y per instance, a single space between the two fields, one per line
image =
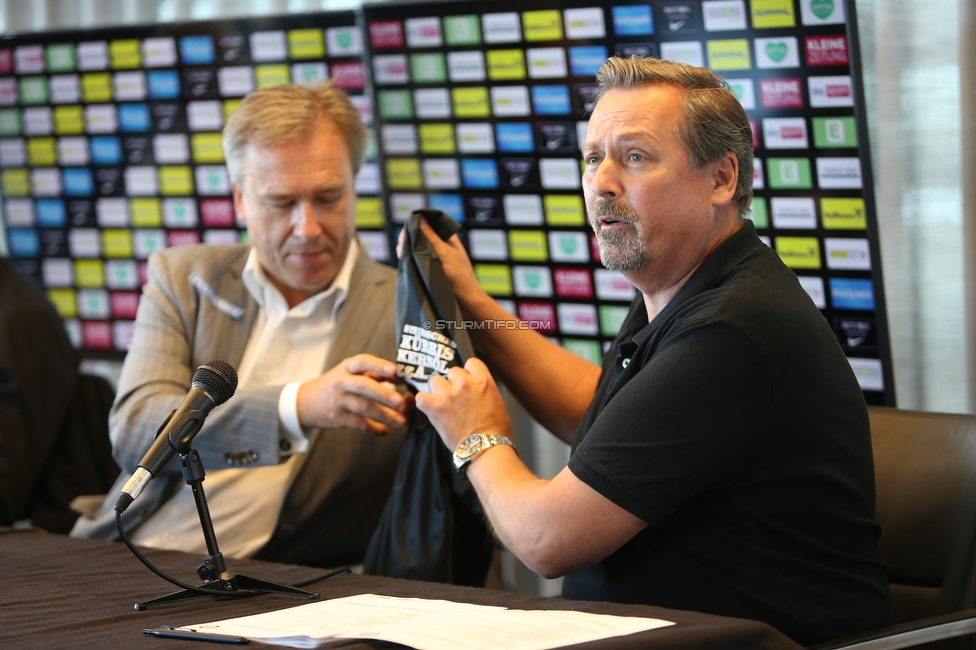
x=925 y=470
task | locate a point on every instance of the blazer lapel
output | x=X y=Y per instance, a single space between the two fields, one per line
x=359 y=312
x=230 y=336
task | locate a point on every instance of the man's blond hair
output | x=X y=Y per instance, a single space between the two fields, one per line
x=713 y=121
x=289 y=113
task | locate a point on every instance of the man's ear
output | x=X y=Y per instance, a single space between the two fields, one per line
x=726 y=178
x=238 y=202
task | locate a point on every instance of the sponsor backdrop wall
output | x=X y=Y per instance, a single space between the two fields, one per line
x=110 y=147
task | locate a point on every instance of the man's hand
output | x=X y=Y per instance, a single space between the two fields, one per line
x=454 y=259
x=465 y=403
x=353 y=395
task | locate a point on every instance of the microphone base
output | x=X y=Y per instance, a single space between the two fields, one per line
x=234 y=585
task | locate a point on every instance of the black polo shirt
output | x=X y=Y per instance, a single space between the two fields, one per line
x=733 y=424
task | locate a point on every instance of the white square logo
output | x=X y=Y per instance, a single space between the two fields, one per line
x=793 y=212
x=466 y=66
x=501 y=28
x=399 y=138
x=779 y=52
x=424 y=32
x=523 y=209
x=723 y=15
x=432 y=102
x=584 y=23
x=839 y=173
x=205 y=115
x=509 y=101
x=441 y=174
x=559 y=173
x=785 y=132
x=546 y=62
x=476 y=137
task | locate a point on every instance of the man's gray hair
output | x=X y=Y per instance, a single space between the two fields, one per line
x=713 y=123
x=289 y=113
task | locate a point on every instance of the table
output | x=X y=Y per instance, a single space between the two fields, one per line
x=57 y=592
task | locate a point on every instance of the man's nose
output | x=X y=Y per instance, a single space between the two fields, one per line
x=603 y=180
x=304 y=222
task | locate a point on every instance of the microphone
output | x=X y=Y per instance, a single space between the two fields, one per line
x=213 y=384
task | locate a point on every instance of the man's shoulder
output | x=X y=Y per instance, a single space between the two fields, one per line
x=202 y=257
x=373 y=271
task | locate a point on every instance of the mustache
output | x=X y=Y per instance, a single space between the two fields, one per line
x=615 y=209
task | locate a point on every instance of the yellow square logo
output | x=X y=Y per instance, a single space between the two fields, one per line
x=306 y=44
x=732 y=54
x=41 y=152
x=437 y=138
x=207 y=148
x=542 y=25
x=772 y=13
x=96 y=87
x=369 y=213
x=90 y=274
x=799 y=252
x=495 y=279
x=404 y=174
x=145 y=213
x=266 y=76
x=843 y=214
x=15 y=182
x=64 y=302
x=124 y=54
x=564 y=210
x=68 y=120
x=528 y=246
x=175 y=180
x=505 y=65
x=470 y=102
x=117 y=242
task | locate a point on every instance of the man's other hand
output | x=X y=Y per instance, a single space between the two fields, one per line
x=355 y=394
x=465 y=403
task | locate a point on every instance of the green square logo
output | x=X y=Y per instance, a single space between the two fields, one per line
x=462 y=30
x=33 y=90
x=789 y=173
x=395 y=104
x=10 y=121
x=589 y=350
x=428 y=68
x=60 y=57
x=759 y=214
x=611 y=319
x=834 y=132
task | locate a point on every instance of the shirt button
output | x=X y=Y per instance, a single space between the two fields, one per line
x=625 y=363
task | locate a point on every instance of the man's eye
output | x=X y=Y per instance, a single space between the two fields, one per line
x=636 y=157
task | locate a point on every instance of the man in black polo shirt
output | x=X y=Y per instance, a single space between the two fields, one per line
x=722 y=456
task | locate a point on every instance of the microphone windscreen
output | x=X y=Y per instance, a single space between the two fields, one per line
x=218 y=377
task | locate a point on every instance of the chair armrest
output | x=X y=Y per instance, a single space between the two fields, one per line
x=907 y=635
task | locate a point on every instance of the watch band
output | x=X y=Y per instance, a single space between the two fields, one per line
x=473 y=446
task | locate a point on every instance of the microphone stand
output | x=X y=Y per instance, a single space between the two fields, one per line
x=218 y=581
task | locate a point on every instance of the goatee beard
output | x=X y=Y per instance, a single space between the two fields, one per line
x=620 y=250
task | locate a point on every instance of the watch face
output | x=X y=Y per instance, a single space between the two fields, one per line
x=468 y=446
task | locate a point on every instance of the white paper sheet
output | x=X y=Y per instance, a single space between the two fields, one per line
x=426 y=625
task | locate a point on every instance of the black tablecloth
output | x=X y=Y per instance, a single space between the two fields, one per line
x=57 y=592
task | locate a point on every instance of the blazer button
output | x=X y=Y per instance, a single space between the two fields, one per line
x=284 y=445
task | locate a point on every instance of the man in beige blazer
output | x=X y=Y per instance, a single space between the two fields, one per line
x=300 y=460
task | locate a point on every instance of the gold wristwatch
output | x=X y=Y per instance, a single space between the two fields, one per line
x=472 y=446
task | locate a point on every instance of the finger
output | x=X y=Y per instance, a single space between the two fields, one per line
x=366 y=363
x=401 y=238
x=363 y=387
x=370 y=410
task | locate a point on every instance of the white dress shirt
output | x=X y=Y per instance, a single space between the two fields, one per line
x=286 y=346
